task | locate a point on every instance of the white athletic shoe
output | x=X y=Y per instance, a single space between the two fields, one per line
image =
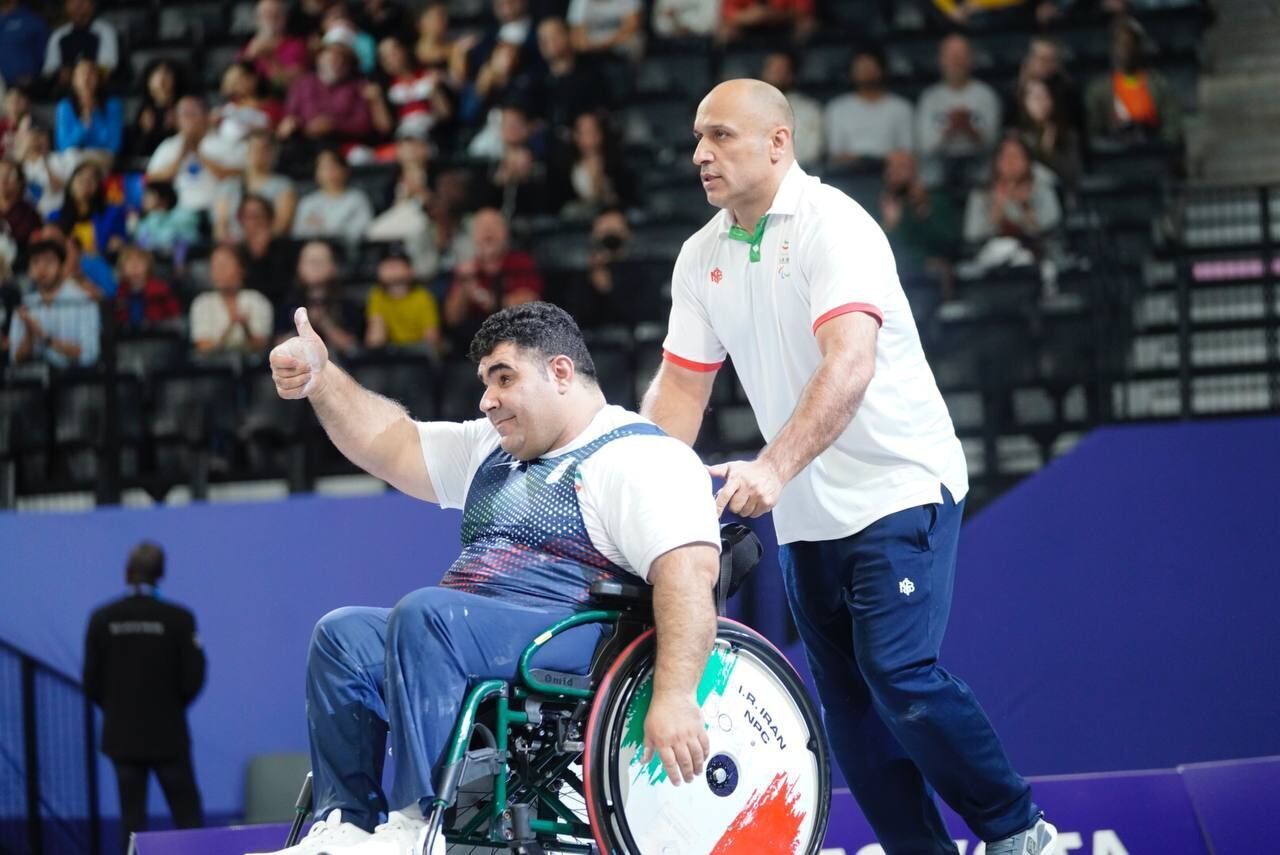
x=331 y=836
x=1039 y=839
x=401 y=834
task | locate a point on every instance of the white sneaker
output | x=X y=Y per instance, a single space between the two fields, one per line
x=331 y=835
x=401 y=834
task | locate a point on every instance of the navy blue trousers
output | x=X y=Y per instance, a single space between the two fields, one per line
x=404 y=672
x=871 y=609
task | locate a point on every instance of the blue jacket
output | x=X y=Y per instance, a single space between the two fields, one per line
x=104 y=131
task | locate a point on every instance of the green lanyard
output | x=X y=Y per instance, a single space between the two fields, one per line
x=737 y=232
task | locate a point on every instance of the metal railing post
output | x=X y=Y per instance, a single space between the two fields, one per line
x=31 y=756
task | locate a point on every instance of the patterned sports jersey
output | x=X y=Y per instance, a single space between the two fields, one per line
x=523 y=536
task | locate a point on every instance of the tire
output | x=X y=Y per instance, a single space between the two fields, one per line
x=766 y=787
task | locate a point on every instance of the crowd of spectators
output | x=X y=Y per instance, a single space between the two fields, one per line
x=216 y=212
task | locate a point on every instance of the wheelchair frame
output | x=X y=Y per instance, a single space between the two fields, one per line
x=500 y=824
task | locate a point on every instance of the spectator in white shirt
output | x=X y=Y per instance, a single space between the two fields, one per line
x=870 y=121
x=680 y=18
x=230 y=317
x=334 y=209
x=83 y=37
x=959 y=116
x=606 y=26
x=779 y=70
x=185 y=159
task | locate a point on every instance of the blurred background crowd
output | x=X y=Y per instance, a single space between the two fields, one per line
x=178 y=179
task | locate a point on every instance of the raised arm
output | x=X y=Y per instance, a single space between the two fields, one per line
x=371 y=431
x=677 y=398
x=683 y=609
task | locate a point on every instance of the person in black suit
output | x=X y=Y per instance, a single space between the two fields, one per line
x=143 y=666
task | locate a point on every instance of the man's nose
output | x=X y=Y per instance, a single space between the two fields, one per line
x=488 y=402
x=701 y=154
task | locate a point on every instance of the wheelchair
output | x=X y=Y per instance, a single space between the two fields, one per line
x=553 y=762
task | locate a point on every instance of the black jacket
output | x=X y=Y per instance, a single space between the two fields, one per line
x=143 y=666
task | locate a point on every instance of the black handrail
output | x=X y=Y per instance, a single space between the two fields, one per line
x=30 y=669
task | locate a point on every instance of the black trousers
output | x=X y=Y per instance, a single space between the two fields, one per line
x=177 y=782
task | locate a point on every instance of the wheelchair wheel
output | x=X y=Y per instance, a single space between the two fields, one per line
x=766 y=787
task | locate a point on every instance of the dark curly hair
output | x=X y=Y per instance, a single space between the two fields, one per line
x=537 y=326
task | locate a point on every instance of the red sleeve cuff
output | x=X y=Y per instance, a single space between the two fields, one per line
x=690 y=364
x=867 y=308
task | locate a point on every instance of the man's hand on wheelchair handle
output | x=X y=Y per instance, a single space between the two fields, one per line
x=751 y=487
x=673 y=729
x=297 y=365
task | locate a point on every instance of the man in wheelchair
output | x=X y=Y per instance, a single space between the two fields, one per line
x=558 y=491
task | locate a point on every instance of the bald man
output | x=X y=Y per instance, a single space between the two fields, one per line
x=863 y=471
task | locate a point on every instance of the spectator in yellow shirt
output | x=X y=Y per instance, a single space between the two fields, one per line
x=400 y=312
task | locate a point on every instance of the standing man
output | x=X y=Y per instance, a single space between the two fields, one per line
x=143 y=666
x=797 y=283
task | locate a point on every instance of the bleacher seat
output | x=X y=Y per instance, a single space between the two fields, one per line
x=676 y=73
x=192 y=22
x=146 y=353
x=189 y=406
x=402 y=376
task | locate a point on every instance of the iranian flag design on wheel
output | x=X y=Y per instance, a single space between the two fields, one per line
x=766 y=785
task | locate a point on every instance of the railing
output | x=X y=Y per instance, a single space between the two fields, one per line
x=48 y=761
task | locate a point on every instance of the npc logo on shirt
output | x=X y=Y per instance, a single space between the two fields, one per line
x=716 y=276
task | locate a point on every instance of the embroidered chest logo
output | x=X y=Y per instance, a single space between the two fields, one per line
x=716 y=276
x=784 y=259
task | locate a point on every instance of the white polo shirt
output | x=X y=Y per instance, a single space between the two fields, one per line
x=821 y=256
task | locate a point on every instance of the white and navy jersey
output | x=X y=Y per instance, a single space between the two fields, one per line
x=604 y=507
x=760 y=299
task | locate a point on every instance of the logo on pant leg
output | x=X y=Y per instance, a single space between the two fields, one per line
x=906 y=586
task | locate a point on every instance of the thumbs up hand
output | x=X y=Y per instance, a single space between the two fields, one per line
x=297 y=365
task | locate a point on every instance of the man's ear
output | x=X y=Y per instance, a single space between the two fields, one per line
x=779 y=142
x=563 y=372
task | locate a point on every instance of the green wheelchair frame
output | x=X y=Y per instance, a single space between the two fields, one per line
x=523 y=811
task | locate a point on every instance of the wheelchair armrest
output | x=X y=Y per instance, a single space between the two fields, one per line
x=619 y=595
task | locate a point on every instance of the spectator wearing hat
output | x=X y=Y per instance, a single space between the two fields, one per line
x=57 y=323
x=333 y=104
x=400 y=312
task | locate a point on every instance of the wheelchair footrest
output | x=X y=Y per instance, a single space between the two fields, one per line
x=475 y=764
x=480 y=763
